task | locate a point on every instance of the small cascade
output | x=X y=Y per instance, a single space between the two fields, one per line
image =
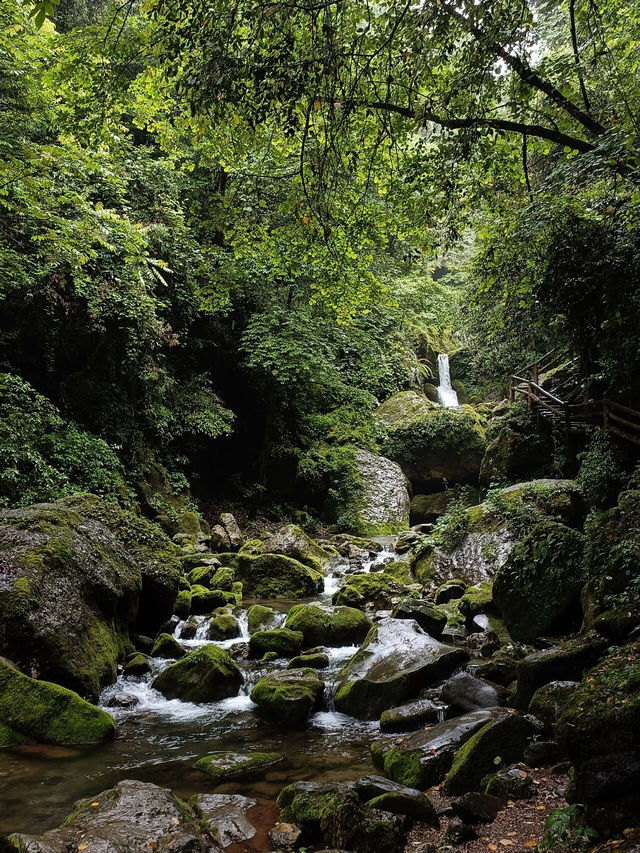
x=446 y=395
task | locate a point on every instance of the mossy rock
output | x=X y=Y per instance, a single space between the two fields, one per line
x=502 y=741
x=205 y=600
x=477 y=599
x=167 y=646
x=48 y=713
x=223 y=626
x=427 y=509
x=223 y=579
x=291 y=541
x=537 y=590
x=284 y=642
x=397 y=802
x=8 y=737
x=205 y=675
x=449 y=590
x=510 y=784
x=261 y=618
x=513 y=455
x=274 y=576
x=137 y=665
x=429 y=617
x=322 y=625
x=317 y=660
x=288 y=697
x=378 y=589
x=202 y=575
x=550 y=700
x=404 y=718
x=182 y=606
x=235 y=765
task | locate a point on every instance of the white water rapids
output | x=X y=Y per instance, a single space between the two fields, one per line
x=446 y=395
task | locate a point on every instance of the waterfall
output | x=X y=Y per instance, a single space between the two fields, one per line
x=446 y=395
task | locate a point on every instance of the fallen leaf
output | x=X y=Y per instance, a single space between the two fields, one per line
x=540 y=808
x=83 y=846
x=175 y=820
x=506 y=842
x=493 y=847
x=530 y=842
x=95 y=804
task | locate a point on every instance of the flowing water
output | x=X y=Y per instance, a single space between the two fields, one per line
x=446 y=395
x=158 y=740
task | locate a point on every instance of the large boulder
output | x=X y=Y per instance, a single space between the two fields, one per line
x=206 y=675
x=600 y=731
x=383 y=506
x=225 y=817
x=513 y=455
x=395 y=662
x=133 y=817
x=428 y=616
x=433 y=445
x=283 y=642
x=376 y=589
x=322 y=625
x=47 y=713
x=288 y=697
x=421 y=759
x=466 y=692
x=74 y=577
x=537 y=589
x=292 y=541
x=274 y=575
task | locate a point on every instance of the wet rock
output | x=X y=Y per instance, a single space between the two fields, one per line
x=126 y=819
x=282 y=641
x=378 y=590
x=565 y=662
x=322 y=625
x=137 y=665
x=477 y=599
x=261 y=618
x=384 y=504
x=285 y=836
x=274 y=575
x=501 y=741
x=543 y=753
x=404 y=718
x=500 y=672
x=458 y=833
x=189 y=629
x=232 y=529
x=407 y=539
x=86 y=557
x=406 y=802
x=549 y=701
x=467 y=693
x=429 y=617
x=225 y=816
x=537 y=590
x=450 y=590
x=511 y=784
x=167 y=647
x=288 y=697
x=204 y=600
x=205 y=675
x=318 y=660
x=396 y=661
x=421 y=759
x=47 y=713
x=598 y=730
x=475 y=807
x=182 y=607
x=223 y=626
x=237 y=765
x=428 y=508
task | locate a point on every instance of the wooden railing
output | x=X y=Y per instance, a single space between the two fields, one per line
x=617 y=419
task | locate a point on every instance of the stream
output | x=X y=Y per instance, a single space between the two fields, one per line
x=158 y=740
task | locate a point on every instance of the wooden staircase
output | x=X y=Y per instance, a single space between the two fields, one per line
x=555 y=393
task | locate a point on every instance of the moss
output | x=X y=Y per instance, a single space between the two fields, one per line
x=423 y=564
x=234 y=765
x=223 y=579
x=404 y=766
x=377 y=588
x=9 y=737
x=399 y=571
x=167 y=646
x=223 y=627
x=284 y=642
x=418 y=807
x=318 y=660
x=260 y=617
x=49 y=713
x=206 y=675
x=253 y=546
x=288 y=697
x=477 y=599
x=334 y=626
x=274 y=575
x=205 y=600
x=137 y=665
x=237 y=588
x=202 y=575
x=182 y=606
x=269 y=657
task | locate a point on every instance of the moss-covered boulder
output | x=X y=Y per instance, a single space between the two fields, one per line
x=550 y=700
x=412 y=715
x=537 y=590
x=477 y=599
x=322 y=625
x=502 y=741
x=427 y=509
x=138 y=664
x=377 y=589
x=395 y=662
x=513 y=455
x=433 y=445
x=70 y=591
x=261 y=618
x=237 y=765
x=421 y=759
x=284 y=642
x=429 y=617
x=166 y=646
x=48 y=713
x=313 y=660
x=513 y=783
x=288 y=697
x=274 y=575
x=182 y=607
x=565 y=662
x=206 y=675
x=204 y=600
x=600 y=731
x=223 y=626
x=291 y=541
